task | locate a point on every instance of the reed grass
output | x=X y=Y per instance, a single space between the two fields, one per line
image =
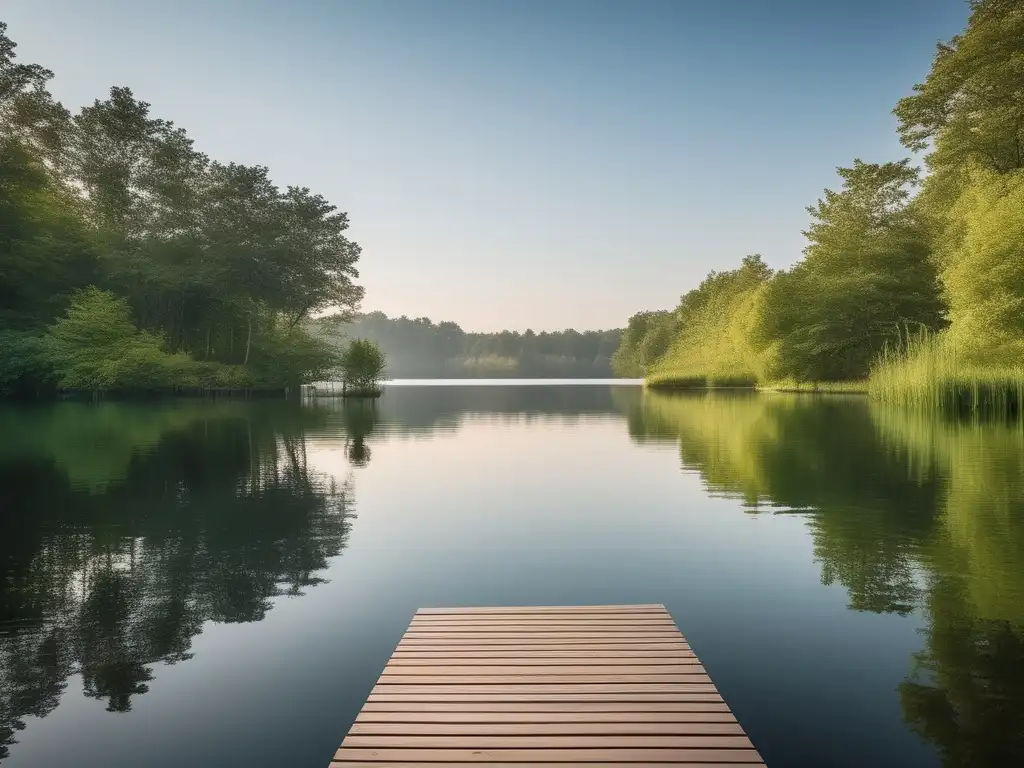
x=927 y=372
x=816 y=387
x=750 y=381
x=675 y=381
x=709 y=381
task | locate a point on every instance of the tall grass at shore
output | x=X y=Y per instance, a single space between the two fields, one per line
x=928 y=372
x=718 y=380
x=812 y=387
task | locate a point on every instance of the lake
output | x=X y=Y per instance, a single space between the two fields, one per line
x=220 y=583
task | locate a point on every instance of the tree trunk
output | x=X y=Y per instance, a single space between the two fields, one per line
x=181 y=325
x=248 y=342
x=207 y=357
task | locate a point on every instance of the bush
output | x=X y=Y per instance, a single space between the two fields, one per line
x=362 y=367
x=287 y=356
x=96 y=347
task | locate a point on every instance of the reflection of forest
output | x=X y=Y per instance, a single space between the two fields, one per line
x=424 y=409
x=128 y=527
x=906 y=513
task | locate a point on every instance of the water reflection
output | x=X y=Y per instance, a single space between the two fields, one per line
x=965 y=692
x=127 y=528
x=359 y=418
x=907 y=513
x=406 y=410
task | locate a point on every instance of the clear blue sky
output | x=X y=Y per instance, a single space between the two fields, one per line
x=515 y=163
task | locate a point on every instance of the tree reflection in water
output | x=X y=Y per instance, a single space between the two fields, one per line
x=907 y=513
x=359 y=417
x=116 y=561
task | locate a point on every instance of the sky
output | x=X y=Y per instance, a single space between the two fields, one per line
x=519 y=164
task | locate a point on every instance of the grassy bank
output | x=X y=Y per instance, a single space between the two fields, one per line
x=817 y=387
x=669 y=381
x=925 y=373
x=675 y=382
x=931 y=373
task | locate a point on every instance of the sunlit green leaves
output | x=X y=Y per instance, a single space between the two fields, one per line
x=970 y=107
x=984 y=278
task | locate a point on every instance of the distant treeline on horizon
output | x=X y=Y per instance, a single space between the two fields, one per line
x=420 y=348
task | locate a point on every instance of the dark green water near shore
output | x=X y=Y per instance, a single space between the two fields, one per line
x=220 y=583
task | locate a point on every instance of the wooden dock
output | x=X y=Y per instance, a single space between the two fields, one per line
x=544 y=686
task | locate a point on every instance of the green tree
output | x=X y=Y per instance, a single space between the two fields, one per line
x=28 y=113
x=711 y=345
x=984 y=278
x=362 y=367
x=644 y=341
x=865 y=277
x=44 y=249
x=970 y=106
x=96 y=347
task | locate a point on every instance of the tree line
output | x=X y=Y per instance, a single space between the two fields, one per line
x=906 y=275
x=131 y=260
x=420 y=348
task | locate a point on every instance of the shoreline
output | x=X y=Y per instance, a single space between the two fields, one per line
x=791 y=387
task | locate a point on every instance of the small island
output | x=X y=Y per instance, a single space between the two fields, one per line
x=362 y=367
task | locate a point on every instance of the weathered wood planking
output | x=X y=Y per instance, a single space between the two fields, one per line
x=545 y=686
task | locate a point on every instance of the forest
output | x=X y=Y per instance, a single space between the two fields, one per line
x=129 y=260
x=912 y=281
x=419 y=348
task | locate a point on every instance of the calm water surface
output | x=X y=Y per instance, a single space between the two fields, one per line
x=219 y=584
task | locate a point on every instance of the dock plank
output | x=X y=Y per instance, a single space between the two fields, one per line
x=450 y=668
x=545 y=718
x=632 y=756
x=529 y=728
x=581 y=708
x=549 y=685
x=545 y=697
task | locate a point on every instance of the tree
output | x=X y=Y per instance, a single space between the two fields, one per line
x=28 y=113
x=44 y=249
x=711 y=345
x=865 y=277
x=362 y=368
x=96 y=347
x=984 y=278
x=971 y=105
x=645 y=340
x=970 y=112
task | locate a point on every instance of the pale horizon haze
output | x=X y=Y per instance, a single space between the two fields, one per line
x=513 y=164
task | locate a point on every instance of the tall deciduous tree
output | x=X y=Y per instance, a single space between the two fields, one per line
x=984 y=278
x=866 y=276
x=971 y=105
